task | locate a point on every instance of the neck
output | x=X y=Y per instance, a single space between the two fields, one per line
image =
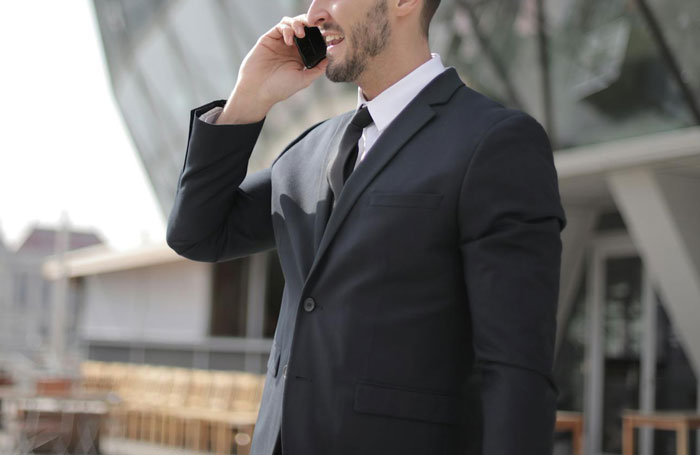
x=391 y=66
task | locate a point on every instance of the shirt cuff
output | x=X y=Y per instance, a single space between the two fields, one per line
x=211 y=115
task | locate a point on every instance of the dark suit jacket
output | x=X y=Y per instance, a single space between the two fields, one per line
x=421 y=319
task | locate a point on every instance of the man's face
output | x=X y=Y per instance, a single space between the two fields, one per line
x=356 y=32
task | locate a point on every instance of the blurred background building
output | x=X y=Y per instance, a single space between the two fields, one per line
x=616 y=83
x=26 y=297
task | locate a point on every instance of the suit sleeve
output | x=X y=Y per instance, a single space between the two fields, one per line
x=219 y=213
x=510 y=219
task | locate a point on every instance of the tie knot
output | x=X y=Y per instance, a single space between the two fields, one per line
x=362 y=118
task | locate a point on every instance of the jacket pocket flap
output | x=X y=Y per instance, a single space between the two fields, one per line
x=407 y=404
x=420 y=200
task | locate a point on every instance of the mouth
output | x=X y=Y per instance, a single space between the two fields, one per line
x=333 y=39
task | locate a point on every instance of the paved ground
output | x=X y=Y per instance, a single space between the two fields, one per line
x=114 y=446
x=109 y=446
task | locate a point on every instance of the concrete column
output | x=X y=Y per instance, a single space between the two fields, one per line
x=594 y=366
x=662 y=215
x=647 y=385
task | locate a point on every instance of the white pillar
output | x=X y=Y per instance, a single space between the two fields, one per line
x=647 y=383
x=595 y=355
x=663 y=219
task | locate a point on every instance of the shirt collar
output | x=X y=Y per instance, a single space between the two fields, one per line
x=386 y=106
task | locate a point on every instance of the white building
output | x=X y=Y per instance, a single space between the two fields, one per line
x=150 y=305
x=25 y=297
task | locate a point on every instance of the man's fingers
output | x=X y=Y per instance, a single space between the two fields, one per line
x=299 y=28
x=296 y=24
x=287 y=34
x=287 y=31
x=287 y=28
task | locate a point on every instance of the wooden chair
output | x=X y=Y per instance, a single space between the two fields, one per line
x=155 y=398
x=90 y=375
x=116 y=421
x=233 y=428
x=176 y=399
x=197 y=418
x=198 y=409
x=181 y=424
x=141 y=379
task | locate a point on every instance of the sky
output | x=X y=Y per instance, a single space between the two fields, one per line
x=65 y=147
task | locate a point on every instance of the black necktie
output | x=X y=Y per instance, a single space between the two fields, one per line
x=344 y=162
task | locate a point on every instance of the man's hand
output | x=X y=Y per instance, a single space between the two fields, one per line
x=271 y=72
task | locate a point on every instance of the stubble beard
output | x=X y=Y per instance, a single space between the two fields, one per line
x=369 y=37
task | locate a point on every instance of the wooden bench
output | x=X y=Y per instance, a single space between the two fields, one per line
x=572 y=422
x=679 y=421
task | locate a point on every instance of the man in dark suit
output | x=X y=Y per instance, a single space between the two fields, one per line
x=419 y=238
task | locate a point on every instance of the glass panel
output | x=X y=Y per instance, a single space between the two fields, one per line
x=212 y=52
x=168 y=81
x=569 y=364
x=676 y=384
x=609 y=80
x=622 y=331
x=139 y=15
x=161 y=163
x=680 y=24
x=495 y=49
x=121 y=24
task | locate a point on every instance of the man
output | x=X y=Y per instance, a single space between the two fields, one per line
x=418 y=313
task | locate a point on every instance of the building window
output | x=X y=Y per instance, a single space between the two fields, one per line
x=229 y=298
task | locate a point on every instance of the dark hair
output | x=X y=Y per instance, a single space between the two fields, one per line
x=429 y=8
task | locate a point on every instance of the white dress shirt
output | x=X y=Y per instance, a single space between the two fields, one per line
x=385 y=107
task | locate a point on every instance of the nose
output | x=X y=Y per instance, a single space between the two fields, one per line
x=317 y=13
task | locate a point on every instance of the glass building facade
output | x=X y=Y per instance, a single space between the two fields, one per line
x=589 y=71
x=593 y=72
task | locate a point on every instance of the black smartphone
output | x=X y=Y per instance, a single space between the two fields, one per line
x=312 y=47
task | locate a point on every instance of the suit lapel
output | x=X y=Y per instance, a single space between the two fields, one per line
x=411 y=120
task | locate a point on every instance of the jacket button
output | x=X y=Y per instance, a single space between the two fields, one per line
x=284 y=370
x=309 y=304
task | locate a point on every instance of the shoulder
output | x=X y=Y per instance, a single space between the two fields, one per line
x=487 y=116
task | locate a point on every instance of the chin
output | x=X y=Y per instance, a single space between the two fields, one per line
x=332 y=72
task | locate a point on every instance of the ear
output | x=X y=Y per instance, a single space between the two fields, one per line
x=406 y=7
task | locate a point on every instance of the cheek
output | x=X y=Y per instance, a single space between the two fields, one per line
x=337 y=9
x=344 y=13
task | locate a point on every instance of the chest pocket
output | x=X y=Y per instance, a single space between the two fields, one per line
x=412 y=200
